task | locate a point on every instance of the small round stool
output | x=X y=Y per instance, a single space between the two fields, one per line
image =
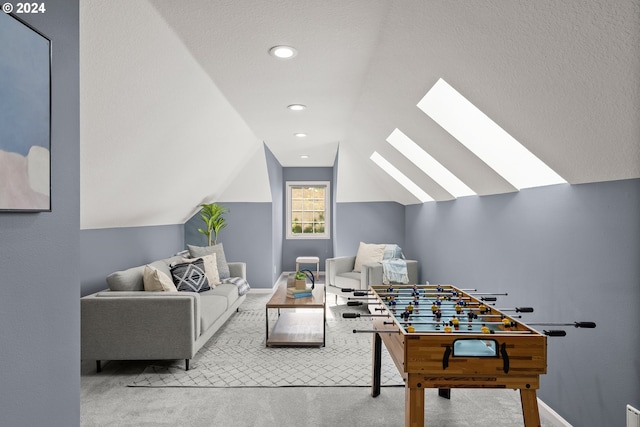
x=309 y=260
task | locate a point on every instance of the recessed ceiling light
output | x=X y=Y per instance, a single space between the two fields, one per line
x=304 y=156
x=297 y=107
x=300 y=135
x=283 y=52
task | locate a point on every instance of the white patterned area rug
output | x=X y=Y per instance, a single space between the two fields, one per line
x=236 y=356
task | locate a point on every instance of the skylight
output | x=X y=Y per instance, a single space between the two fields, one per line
x=402 y=179
x=428 y=164
x=472 y=128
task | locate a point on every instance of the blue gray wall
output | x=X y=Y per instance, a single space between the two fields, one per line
x=571 y=252
x=293 y=248
x=276 y=182
x=107 y=250
x=40 y=262
x=370 y=222
x=246 y=238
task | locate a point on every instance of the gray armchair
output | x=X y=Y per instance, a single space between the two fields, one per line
x=339 y=274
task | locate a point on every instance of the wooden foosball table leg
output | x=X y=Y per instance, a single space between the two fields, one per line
x=530 y=412
x=414 y=407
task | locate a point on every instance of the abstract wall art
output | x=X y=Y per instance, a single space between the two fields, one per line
x=25 y=117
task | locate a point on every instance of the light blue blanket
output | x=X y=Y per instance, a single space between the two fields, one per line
x=394 y=270
x=242 y=284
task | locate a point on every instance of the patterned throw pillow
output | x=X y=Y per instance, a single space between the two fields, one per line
x=190 y=276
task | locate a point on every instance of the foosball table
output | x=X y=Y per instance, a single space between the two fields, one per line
x=443 y=337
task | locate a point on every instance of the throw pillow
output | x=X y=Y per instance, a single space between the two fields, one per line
x=368 y=253
x=221 y=260
x=190 y=276
x=156 y=281
x=210 y=269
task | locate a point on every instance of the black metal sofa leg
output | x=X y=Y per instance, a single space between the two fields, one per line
x=186 y=363
x=98 y=366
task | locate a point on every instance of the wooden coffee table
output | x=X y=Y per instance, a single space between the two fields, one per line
x=297 y=325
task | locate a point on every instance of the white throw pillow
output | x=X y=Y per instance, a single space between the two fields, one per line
x=368 y=253
x=155 y=280
x=210 y=268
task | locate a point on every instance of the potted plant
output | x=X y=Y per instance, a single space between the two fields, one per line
x=301 y=280
x=212 y=215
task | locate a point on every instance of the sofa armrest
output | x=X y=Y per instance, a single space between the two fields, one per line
x=139 y=325
x=238 y=269
x=337 y=265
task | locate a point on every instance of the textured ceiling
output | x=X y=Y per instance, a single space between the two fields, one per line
x=562 y=77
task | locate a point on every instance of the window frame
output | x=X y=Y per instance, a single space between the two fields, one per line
x=290 y=185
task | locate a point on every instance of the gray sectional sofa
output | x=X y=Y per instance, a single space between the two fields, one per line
x=127 y=323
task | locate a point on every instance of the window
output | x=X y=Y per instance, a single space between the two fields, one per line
x=308 y=210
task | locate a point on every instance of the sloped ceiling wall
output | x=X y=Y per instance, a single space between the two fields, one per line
x=176 y=97
x=157 y=135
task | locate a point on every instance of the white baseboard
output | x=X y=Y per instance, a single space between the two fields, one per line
x=552 y=416
x=261 y=290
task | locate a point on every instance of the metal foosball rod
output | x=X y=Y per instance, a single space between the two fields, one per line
x=518 y=309
x=356 y=292
x=589 y=325
x=356 y=315
x=411 y=316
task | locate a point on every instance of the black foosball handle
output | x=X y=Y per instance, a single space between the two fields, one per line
x=353 y=303
x=585 y=324
x=350 y=315
x=555 y=333
x=524 y=309
x=488 y=299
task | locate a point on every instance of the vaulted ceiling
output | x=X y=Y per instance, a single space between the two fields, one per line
x=179 y=98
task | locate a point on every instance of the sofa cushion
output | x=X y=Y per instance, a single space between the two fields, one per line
x=155 y=280
x=190 y=276
x=227 y=290
x=212 y=306
x=127 y=280
x=368 y=253
x=221 y=260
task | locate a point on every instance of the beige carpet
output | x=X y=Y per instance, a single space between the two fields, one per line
x=237 y=357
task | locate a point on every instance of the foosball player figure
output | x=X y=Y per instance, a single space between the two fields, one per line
x=410 y=307
x=416 y=302
x=439 y=288
x=390 y=289
x=405 y=314
x=483 y=308
x=462 y=302
x=438 y=301
x=455 y=322
x=393 y=303
x=458 y=308
x=506 y=323
x=410 y=328
x=415 y=291
x=438 y=315
x=485 y=329
x=454 y=293
x=447 y=328
x=434 y=308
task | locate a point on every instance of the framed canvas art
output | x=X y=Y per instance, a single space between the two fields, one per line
x=25 y=117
